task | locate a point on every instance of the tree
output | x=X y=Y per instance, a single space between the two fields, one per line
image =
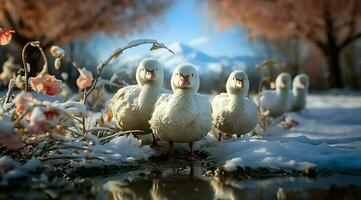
x=54 y=22
x=330 y=25
x=289 y=51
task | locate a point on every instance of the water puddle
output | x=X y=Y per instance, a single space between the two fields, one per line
x=181 y=179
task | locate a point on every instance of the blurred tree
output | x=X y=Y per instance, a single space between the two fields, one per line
x=290 y=51
x=351 y=60
x=54 y=22
x=330 y=25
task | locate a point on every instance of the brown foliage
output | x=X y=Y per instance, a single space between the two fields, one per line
x=53 y=21
x=279 y=18
x=330 y=25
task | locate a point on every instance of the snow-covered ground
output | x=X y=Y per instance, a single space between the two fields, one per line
x=328 y=136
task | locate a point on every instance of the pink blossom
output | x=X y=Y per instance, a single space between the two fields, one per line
x=5 y=36
x=23 y=101
x=46 y=84
x=85 y=79
x=5 y=76
x=288 y=123
x=42 y=119
x=38 y=123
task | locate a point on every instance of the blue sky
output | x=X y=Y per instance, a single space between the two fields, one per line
x=186 y=21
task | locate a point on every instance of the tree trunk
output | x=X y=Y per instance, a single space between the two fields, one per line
x=333 y=60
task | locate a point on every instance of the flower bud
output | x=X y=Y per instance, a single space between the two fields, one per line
x=57 y=51
x=57 y=63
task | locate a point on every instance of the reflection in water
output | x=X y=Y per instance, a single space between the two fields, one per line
x=186 y=182
x=180 y=189
x=221 y=190
x=133 y=190
x=172 y=183
x=183 y=180
x=188 y=187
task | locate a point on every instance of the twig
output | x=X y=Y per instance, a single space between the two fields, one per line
x=17 y=121
x=74 y=132
x=10 y=90
x=74 y=147
x=100 y=129
x=83 y=117
x=119 y=51
x=120 y=134
x=70 y=157
x=71 y=61
x=45 y=66
x=267 y=63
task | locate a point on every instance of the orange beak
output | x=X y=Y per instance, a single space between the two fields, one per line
x=150 y=75
x=239 y=83
x=184 y=81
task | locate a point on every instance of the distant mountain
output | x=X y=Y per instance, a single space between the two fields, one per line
x=211 y=69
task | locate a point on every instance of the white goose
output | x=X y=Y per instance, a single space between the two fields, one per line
x=185 y=116
x=278 y=101
x=300 y=91
x=233 y=112
x=132 y=106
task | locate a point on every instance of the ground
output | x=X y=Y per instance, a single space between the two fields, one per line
x=327 y=138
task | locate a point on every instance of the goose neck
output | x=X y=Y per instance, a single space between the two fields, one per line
x=300 y=91
x=184 y=92
x=184 y=96
x=282 y=91
x=237 y=101
x=148 y=94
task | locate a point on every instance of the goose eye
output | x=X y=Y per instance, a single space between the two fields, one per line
x=177 y=74
x=192 y=74
x=142 y=69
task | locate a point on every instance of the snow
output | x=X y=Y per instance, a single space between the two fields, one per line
x=19 y=171
x=123 y=150
x=7 y=163
x=328 y=137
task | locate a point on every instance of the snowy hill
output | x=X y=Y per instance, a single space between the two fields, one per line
x=214 y=69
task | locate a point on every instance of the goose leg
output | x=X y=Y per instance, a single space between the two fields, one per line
x=219 y=136
x=191 y=155
x=171 y=153
x=154 y=142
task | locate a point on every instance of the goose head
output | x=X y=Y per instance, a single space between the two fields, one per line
x=185 y=78
x=301 y=81
x=238 y=83
x=283 y=81
x=149 y=71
